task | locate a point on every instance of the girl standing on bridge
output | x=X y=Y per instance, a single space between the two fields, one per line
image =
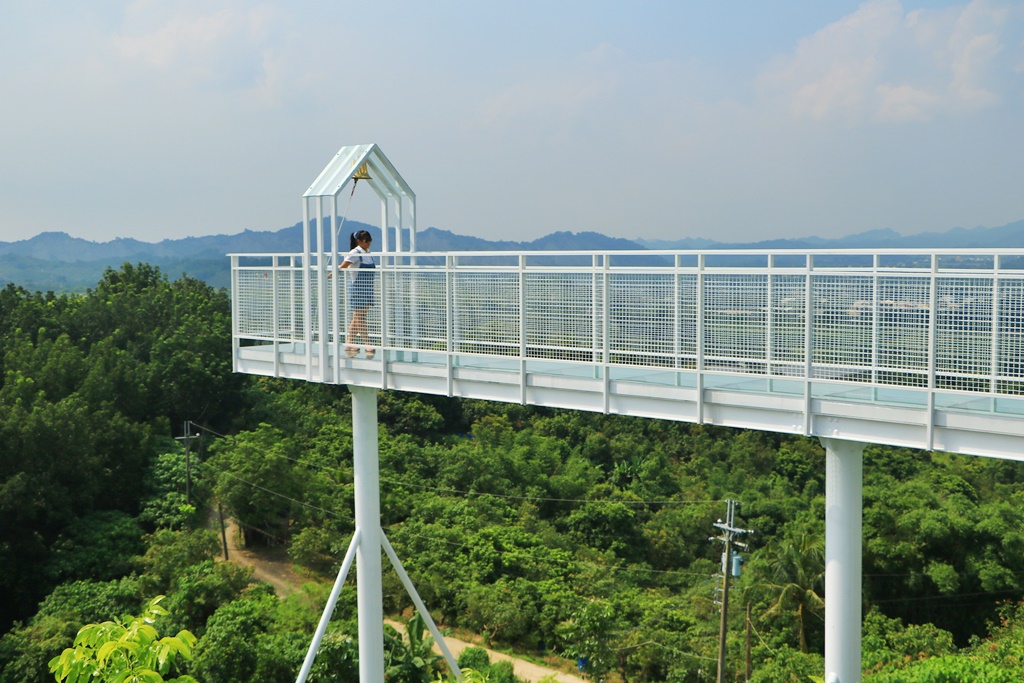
x=360 y=291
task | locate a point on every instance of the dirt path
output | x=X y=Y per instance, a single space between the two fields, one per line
x=268 y=564
x=527 y=671
x=273 y=566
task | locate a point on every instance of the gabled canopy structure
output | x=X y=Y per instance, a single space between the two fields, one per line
x=362 y=164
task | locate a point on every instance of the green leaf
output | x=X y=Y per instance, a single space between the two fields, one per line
x=105 y=651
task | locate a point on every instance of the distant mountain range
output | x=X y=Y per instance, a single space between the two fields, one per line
x=1007 y=236
x=58 y=262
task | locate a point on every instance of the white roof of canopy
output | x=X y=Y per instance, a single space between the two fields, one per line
x=337 y=175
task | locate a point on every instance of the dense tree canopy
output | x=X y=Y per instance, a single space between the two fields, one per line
x=547 y=531
x=88 y=383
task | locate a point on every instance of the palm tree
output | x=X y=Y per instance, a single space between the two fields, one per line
x=794 y=574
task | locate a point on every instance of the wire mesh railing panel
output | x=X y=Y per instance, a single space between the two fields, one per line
x=963 y=333
x=559 y=315
x=1010 y=346
x=686 y=328
x=333 y=311
x=735 y=322
x=418 y=309
x=903 y=310
x=898 y=321
x=254 y=293
x=288 y=298
x=788 y=323
x=641 y=317
x=485 y=313
x=313 y=309
x=842 y=326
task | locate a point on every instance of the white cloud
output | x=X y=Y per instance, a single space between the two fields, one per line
x=898 y=103
x=562 y=95
x=222 y=45
x=179 y=38
x=199 y=115
x=881 y=64
x=974 y=46
x=832 y=73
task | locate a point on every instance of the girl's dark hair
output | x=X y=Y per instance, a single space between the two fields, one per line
x=353 y=239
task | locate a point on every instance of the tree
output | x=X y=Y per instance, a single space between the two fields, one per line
x=410 y=659
x=792 y=576
x=948 y=669
x=501 y=611
x=86 y=383
x=588 y=637
x=128 y=651
x=888 y=644
x=26 y=649
x=165 y=483
x=337 y=660
x=474 y=657
x=228 y=652
x=1005 y=644
x=202 y=588
x=609 y=525
x=786 y=665
x=99 y=545
x=254 y=479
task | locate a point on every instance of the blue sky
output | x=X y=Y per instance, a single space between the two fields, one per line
x=662 y=120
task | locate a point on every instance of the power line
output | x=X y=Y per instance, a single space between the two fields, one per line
x=638 y=570
x=667 y=572
x=402 y=531
x=549 y=500
x=552 y=562
x=287 y=497
x=211 y=431
x=451 y=491
x=949 y=596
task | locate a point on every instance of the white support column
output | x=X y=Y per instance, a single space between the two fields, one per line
x=369 y=594
x=844 y=470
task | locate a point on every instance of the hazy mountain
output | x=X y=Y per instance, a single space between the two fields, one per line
x=56 y=261
x=687 y=243
x=1006 y=236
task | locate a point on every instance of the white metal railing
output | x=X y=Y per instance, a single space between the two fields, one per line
x=936 y=319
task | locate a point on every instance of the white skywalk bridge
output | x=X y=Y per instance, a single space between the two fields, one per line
x=902 y=347
x=918 y=349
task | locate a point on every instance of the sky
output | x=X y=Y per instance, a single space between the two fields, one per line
x=736 y=121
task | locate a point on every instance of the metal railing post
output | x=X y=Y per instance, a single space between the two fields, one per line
x=522 y=328
x=449 y=316
x=808 y=340
x=701 y=334
x=994 y=360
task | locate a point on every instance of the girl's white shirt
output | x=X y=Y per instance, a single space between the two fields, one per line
x=357 y=257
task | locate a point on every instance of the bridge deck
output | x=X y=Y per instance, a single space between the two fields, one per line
x=920 y=349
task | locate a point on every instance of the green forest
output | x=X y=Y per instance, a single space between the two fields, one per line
x=547 y=533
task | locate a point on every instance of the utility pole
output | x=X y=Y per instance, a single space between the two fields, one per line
x=188 y=480
x=187 y=440
x=188 y=462
x=223 y=532
x=729 y=530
